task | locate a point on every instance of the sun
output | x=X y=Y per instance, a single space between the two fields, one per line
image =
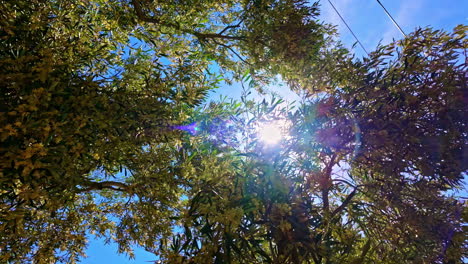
x=272 y=132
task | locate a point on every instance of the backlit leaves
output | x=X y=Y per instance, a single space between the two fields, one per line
x=104 y=131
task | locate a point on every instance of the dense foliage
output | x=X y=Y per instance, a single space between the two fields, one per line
x=104 y=132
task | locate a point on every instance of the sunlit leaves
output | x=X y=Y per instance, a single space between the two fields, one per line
x=104 y=130
x=346 y=186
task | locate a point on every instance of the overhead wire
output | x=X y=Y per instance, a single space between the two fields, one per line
x=399 y=28
x=349 y=28
x=390 y=16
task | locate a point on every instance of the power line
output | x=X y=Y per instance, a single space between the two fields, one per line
x=350 y=30
x=399 y=28
x=390 y=16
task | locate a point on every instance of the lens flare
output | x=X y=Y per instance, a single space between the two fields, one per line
x=272 y=133
x=191 y=128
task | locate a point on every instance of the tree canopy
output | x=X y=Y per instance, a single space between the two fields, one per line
x=106 y=131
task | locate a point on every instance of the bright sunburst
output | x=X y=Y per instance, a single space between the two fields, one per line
x=272 y=132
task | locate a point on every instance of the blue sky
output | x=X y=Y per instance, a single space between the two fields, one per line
x=371 y=25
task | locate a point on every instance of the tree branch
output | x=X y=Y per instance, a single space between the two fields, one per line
x=202 y=36
x=232 y=26
x=345 y=203
x=233 y=51
x=344 y=181
x=143 y=17
x=326 y=183
x=364 y=251
x=112 y=185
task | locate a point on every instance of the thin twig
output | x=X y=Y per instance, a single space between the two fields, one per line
x=113 y=185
